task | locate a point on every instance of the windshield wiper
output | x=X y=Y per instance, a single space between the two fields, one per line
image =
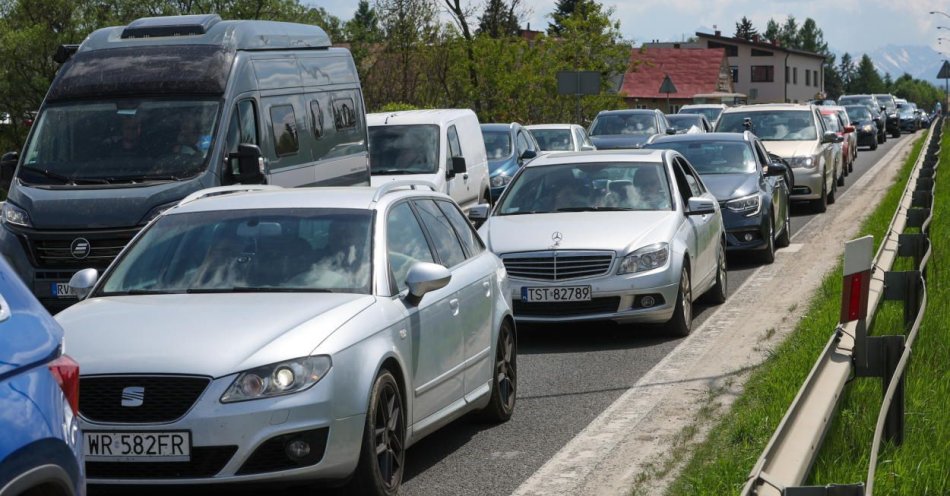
x=593 y=209
x=144 y=178
x=523 y=213
x=256 y=289
x=393 y=172
x=65 y=179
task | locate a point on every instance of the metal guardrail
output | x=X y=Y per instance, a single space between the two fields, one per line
x=787 y=459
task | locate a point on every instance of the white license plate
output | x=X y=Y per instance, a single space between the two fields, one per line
x=128 y=446
x=62 y=290
x=566 y=293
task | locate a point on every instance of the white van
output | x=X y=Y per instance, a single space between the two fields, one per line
x=441 y=146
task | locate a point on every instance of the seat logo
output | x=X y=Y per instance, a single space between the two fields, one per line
x=133 y=396
x=80 y=248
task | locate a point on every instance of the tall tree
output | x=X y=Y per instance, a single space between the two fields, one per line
x=461 y=15
x=773 y=31
x=364 y=26
x=811 y=38
x=745 y=30
x=499 y=19
x=847 y=71
x=564 y=9
x=407 y=25
x=789 y=33
x=888 y=82
x=867 y=79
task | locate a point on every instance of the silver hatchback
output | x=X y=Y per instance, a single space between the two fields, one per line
x=290 y=335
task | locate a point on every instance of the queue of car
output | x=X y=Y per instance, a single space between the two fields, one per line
x=321 y=330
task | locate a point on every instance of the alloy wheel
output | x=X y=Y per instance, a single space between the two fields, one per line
x=505 y=370
x=687 y=293
x=389 y=435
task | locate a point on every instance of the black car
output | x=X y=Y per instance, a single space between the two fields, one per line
x=629 y=128
x=910 y=120
x=864 y=124
x=682 y=123
x=871 y=102
x=890 y=109
x=750 y=185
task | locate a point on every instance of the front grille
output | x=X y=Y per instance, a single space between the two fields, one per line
x=558 y=265
x=206 y=461
x=164 y=398
x=54 y=250
x=272 y=456
x=567 y=308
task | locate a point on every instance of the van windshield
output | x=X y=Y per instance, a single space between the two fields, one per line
x=412 y=149
x=120 y=141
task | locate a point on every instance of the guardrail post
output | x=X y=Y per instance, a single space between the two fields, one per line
x=854 y=293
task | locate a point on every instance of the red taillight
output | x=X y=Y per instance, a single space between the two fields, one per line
x=66 y=372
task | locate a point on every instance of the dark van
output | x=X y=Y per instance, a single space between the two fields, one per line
x=140 y=116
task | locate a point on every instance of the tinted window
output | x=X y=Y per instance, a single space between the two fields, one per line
x=553 y=139
x=406 y=243
x=710 y=113
x=410 y=149
x=640 y=123
x=316 y=116
x=285 y=130
x=465 y=231
x=455 y=148
x=713 y=157
x=497 y=143
x=344 y=113
x=771 y=125
x=443 y=235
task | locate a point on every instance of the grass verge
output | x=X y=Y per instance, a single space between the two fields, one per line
x=721 y=464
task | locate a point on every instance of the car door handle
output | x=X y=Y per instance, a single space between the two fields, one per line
x=454 y=305
x=487 y=286
x=465 y=176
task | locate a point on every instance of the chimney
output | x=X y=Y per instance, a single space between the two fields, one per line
x=755 y=38
x=718 y=33
x=676 y=45
x=529 y=26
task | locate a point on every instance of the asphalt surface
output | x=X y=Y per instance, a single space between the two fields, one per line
x=567 y=376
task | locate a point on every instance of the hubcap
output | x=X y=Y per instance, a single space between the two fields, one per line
x=505 y=373
x=389 y=436
x=687 y=298
x=722 y=270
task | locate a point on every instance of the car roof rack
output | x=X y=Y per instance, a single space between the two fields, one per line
x=393 y=185
x=225 y=190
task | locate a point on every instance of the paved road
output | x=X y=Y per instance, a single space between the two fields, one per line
x=567 y=377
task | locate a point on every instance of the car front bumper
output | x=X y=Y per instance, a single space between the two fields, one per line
x=229 y=441
x=739 y=227
x=808 y=183
x=867 y=138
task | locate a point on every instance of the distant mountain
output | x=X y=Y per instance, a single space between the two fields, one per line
x=919 y=61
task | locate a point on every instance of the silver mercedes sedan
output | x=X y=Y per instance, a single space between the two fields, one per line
x=289 y=335
x=626 y=236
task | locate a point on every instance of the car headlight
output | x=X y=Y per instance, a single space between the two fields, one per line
x=868 y=128
x=277 y=379
x=15 y=215
x=891 y=116
x=500 y=180
x=806 y=162
x=748 y=205
x=646 y=258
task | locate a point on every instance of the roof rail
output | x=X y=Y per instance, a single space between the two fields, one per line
x=392 y=185
x=224 y=190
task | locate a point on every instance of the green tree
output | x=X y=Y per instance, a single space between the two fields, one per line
x=867 y=79
x=789 y=33
x=564 y=9
x=846 y=71
x=407 y=25
x=811 y=38
x=745 y=30
x=888 y=82
x=363 y=33
x=773 y=31
x=499 y=20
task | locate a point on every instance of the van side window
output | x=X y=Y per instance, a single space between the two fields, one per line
x=455 y=148
x=285 y=130
x=243 y=126
x=344 y=113
x=316 y=116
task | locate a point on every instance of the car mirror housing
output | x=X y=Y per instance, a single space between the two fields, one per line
x=424 y=277
x=250 y=164
x=528 y=154
x=458 y=165
x=83 y=281
x=830 y=137
x=700 y=206
x=478 y=214
x=776 y=169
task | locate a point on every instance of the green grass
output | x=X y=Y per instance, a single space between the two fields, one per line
x=721 y=464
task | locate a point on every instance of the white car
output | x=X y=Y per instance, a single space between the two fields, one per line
x=710 y=110
x=631 y=236
x=561 y=137
x=289 y=336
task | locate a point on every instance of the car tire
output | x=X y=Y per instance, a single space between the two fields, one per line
x=768 y=253
x=851 y=163
x=882 y=138
x=504 y=389
x=377 y=475
x=821 y=203
x=874 y=146
x=718 y=293
x=896 y=134
x=833 y=194
x=682 y=321
x=785 y=238
x=841 y=176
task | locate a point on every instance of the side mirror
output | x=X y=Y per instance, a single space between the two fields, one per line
x=478 y=214
x=528 y=155
x=829 y=137
x=883 y=108
x=424 y=277
x=83 y=281
x=776 y=169
x=250 y=164
x=849 y=129
x=8 y=163
x=458 y=165
x=698 y=205
x=588 y=148
x=671 y=130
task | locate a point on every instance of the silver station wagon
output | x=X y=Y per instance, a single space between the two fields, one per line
x=626 y=236
x=289 y=335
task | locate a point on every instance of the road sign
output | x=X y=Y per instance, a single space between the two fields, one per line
x=857 y=278
x=667 y=86
x=944 y=71
x=578 y=82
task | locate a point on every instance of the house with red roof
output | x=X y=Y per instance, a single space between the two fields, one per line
x=692 y=70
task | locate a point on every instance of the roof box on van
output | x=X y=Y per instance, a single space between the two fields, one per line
x=160 y=27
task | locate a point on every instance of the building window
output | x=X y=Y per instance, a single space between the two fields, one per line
x=734 y=69
x=763 y=73
x=787 y=79
x=807 y=77
x=794 y=75
x=761 y=53
x=816 y=79
x=731 y=50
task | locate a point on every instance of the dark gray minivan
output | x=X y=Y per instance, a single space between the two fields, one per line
x=140 y=116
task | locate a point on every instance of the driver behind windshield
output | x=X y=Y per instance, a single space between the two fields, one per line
x=129 y=140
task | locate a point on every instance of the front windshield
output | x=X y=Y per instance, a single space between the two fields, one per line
x=772 y=125
x=711 y=113
x=685 y=121
x=275 y=250
x=909 y=112
x=410 y=149
x=713 y=157
x=831 y=122
x=497 y=144
x=551 y=140
x=588 y=187
x=612 y=124
x=858 y=114
x=120 y=140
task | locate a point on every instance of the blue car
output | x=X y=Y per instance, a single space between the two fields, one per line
x=40 y=442
x=509 y=146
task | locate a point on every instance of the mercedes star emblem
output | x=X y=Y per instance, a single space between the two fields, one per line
x=557 y=237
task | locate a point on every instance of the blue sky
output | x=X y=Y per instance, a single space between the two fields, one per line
x=855 y=26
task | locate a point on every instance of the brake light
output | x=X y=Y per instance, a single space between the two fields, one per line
x=66 y=372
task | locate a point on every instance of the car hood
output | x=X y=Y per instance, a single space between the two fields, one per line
x=507 y=166
x=729 y=186
x=618 y=231
x=203 y=334
x=614 y=141
x=786 y=149
x=435 y=178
